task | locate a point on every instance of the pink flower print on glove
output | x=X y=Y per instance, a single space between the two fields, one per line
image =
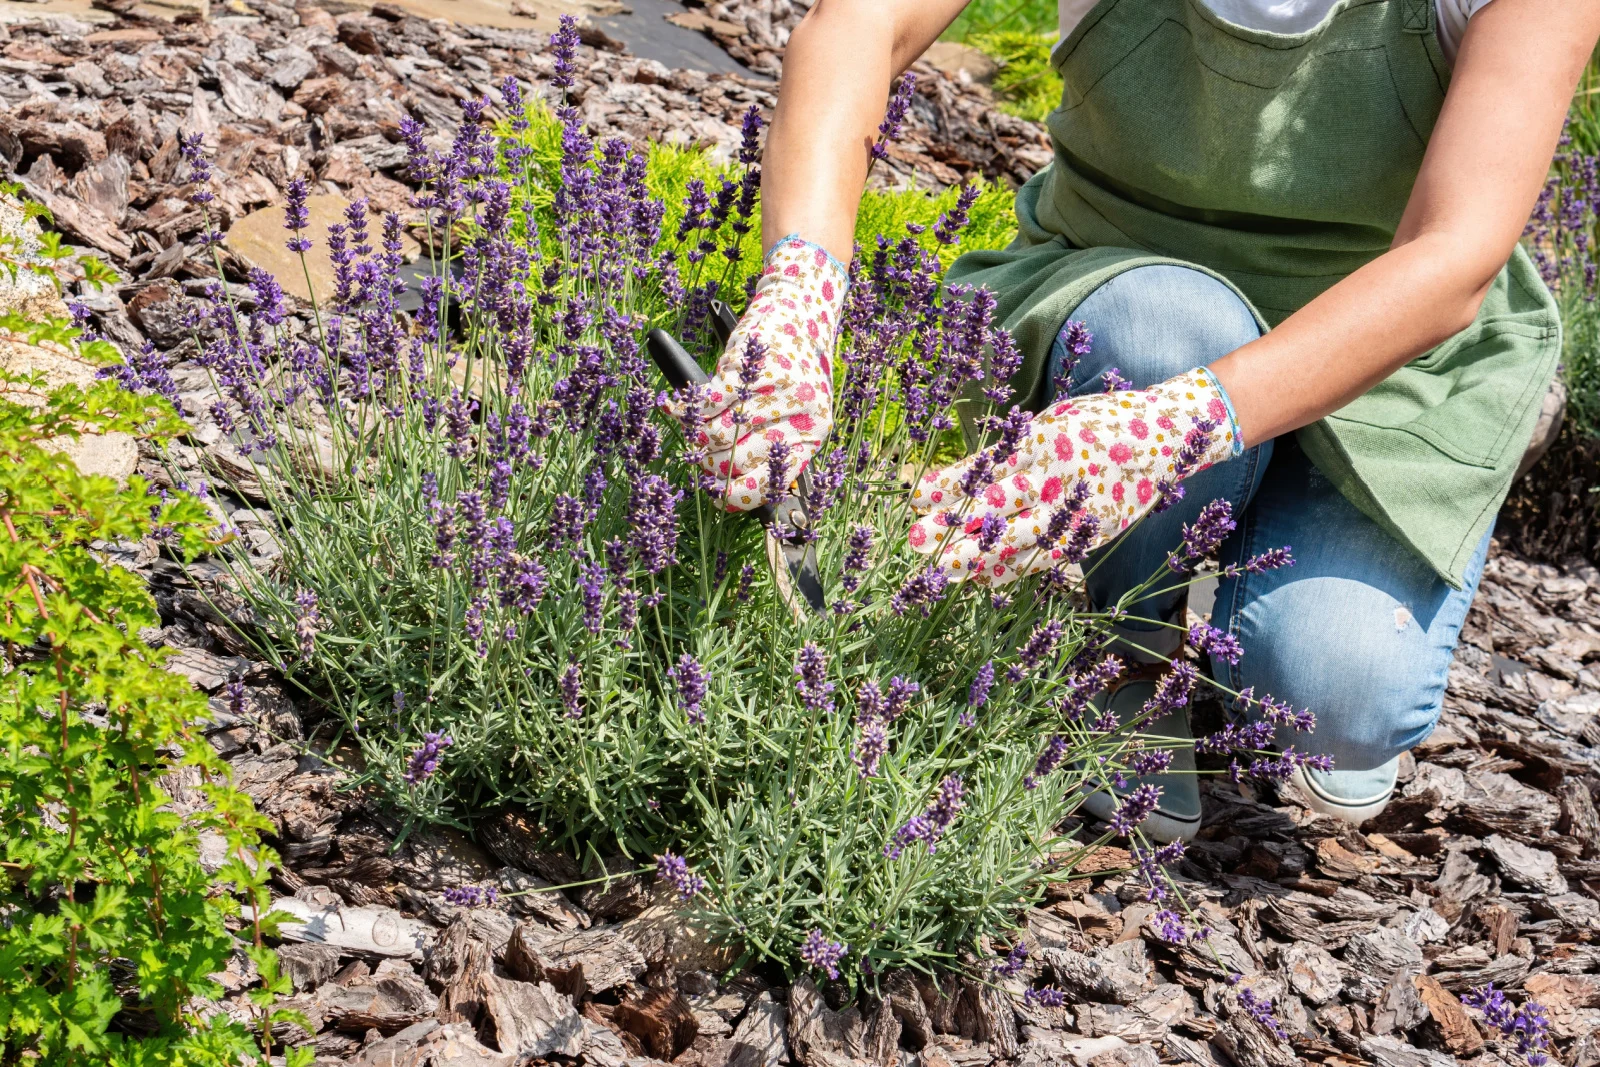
x=1074 y=477
x=772 y=392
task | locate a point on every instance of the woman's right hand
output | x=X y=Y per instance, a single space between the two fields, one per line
x=770 y=402
x=1081 y=473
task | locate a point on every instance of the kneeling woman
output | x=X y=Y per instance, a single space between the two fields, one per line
x=1292 y=223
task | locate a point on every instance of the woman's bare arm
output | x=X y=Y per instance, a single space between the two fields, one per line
x=1486 y=162
x=837 y=69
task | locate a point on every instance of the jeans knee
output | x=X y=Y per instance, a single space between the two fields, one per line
x=1154 y=322
x=1375 y=687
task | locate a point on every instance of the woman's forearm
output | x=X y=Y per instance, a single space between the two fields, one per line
x=1485 y=163
x=1353 y=336
x=837 y=70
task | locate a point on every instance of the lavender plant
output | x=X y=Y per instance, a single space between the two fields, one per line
x=501 y=573
x=1561 y=235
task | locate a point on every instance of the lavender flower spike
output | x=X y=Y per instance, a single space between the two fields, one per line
x=894 y=116
x=691 y=679
x=675 y=871
x=472 y=896
x=1528 y=1025
x=932 y=823
x=572 y=690
x=1260 y=1009
x=824 y=955
x=425 y=760
x=295 y=215
x=1015 y=960
x=1135 y=808
x=308 y=620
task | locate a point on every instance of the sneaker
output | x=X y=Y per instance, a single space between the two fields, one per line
x=1354 y=796
x=1177 y=815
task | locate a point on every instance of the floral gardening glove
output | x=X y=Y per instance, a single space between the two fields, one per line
x=770 y=403
x=1058 y=485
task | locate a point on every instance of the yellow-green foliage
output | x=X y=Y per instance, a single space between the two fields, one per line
x=110 y=924
x=1026 y=84
x=1003 y=16
x=672 y=168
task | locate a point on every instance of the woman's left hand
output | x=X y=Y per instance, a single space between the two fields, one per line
x=1070 y=479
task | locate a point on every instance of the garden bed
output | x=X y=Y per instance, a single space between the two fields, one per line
x=1487 y=870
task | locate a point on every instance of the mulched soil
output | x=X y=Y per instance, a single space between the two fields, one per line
x=1487 y=868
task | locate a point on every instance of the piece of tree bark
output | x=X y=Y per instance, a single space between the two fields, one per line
x=661 y=1020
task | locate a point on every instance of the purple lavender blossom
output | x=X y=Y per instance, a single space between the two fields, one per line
x=1085 y=529
x=233 y=692
x=564 y=50
x=1015 y=960
x=1078 y=341
x=425 y=759
x=931 y=825
x=811 y=666
x=1045 y=997
x=571 y=684
x=750 y=136
x=690 y=678
x=921 y=591
x=1112 y=381
x=191 y=147
x=295 y=215
x=1201 y=538
x=1040 y=644
x=308 y=620
x=1135 y=808
x=824 y=955
x=982 y=682
x=1269 y=560
x=894 y=116
x=1260 y=1009
x=1170 y=927
x=674 y=870
x=1216 y=643
x=653 y=522
x=901 y=690
x=146 y=371
x=778 y=470
x=858 y=557
x=1154 y=761
x=472 y=896
x=872 y=744
x=990 y=529
x=1055 y=750
x=1150 y=863
x=947 y=228
x=1528 y=1025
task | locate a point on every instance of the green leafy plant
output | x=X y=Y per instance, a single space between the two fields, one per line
x=110 y=925
x=1025 y=84
x=1561 y=236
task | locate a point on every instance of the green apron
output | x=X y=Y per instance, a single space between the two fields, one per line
x=1279 y=163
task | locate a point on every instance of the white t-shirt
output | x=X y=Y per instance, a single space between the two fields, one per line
x=1296 y=16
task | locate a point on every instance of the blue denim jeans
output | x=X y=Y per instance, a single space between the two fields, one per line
x=1359 y=630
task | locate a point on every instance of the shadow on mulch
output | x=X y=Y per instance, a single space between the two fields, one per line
x=1553 y=513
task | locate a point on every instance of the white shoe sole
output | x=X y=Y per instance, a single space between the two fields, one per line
x=1157 y=826
x=1354 y=812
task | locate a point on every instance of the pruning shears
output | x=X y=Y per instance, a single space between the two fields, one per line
x=787 y=522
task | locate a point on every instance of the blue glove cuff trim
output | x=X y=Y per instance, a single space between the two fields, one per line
x=1227 y=402
x=844 y=272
